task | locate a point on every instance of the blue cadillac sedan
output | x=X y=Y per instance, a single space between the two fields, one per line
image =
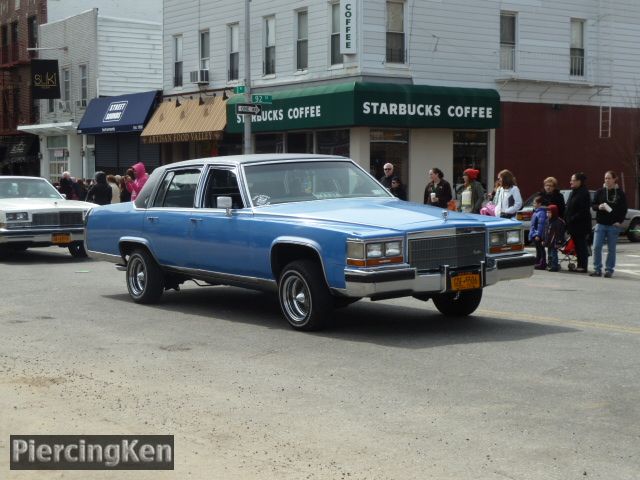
x=317 y=230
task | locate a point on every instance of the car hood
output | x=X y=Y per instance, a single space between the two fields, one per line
x=29 y=204
x=379 y=213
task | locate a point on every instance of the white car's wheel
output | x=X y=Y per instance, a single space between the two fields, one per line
x=76 y=249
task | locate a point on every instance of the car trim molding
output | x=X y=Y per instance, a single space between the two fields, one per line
x=254 y=283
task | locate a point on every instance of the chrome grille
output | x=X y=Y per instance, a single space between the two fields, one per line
x=64 y=219
x=463 y=249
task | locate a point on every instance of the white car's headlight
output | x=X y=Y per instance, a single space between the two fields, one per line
x=17 y=216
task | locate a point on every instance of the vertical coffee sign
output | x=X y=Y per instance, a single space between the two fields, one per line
x=348 y=30
x=45 y=79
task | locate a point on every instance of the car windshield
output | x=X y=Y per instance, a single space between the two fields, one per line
x=286 y=182
x=27 y=188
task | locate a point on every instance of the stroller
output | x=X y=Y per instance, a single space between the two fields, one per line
x=568 y=251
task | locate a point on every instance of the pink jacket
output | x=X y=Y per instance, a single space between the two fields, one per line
x=141 y=178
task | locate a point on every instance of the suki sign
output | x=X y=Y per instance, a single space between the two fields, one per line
x=348 y=29
x=115 y=111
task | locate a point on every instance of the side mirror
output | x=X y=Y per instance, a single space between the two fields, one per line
x=226 y=203
x=64 y=195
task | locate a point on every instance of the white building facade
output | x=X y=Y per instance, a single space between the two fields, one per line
x=565 y=73
x=97 y=56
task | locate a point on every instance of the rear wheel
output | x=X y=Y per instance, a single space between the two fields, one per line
x=145 y=280
x=76 y=249
x=304 y=297
x=458 y=304
x=633 y=233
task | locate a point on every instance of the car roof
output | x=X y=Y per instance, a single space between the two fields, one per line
x=255 y=158
x=20 y=177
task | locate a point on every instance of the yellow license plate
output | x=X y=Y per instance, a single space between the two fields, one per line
x=60 y=238
x=465 y=281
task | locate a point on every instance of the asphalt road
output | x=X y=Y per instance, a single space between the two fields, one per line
x=541 y=382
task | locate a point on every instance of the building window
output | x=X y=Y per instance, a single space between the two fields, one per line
x=234 y=52
x=66 y=89
x=270 y=45
x=14 y=42
x=84 y=93
x=204 y=50
x=390 y=146
x=32 y=34
x=17 y=4
x=302 y=56
x=576 y=68
x=177 y=61
x=51 y=105
x=395 y=32
x=336 y=57
x=333 y=142
x=470 y=150
x=507 y=41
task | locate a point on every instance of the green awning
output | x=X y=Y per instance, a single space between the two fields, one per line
x=372 y=104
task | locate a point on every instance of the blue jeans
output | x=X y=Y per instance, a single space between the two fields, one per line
x=610 y=234
x=552 y=262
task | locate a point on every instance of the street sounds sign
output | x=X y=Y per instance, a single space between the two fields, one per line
x=248 y=109
x=348 y=27
x=45 y=81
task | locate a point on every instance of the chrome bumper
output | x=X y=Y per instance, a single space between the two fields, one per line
x=39 y=236
x=403 y=280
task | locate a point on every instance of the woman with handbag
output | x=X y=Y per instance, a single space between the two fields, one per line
x=507 y=198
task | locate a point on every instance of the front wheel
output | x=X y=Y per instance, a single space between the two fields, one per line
x=76 y=249
x=458 y=304
x=633 y=233
x=145 y=280
x=304 y=297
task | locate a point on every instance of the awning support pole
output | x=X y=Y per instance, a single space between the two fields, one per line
x=248 y=147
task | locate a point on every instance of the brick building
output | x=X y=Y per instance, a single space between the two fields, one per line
x=19 y=22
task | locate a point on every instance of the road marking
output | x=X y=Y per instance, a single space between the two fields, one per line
x=562 y=321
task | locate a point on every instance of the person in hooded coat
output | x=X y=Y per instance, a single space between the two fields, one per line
x=100 y=192
x=135 y=186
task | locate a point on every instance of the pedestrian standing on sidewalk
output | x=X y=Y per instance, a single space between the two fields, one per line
x=577 y=216
x=554 y=237
x=610 y=205
x=536 y=232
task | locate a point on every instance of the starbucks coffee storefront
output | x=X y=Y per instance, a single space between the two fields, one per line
x=414 y=127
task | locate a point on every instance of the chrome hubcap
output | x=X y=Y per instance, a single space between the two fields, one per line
x=137 y=276
x=295 y=298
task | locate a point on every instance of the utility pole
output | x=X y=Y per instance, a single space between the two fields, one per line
x=248 y=147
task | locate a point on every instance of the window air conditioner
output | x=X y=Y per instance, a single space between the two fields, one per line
x=199 y=76
x=63 y=106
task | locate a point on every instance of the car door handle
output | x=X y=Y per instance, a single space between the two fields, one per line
x=152 y=219
x=194 y=220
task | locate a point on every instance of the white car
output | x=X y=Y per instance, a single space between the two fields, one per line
x=631 y=224
x=34 y=214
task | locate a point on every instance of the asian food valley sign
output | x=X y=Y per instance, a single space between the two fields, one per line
x=366 y=104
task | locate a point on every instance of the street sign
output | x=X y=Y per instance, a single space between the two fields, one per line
x=248 y=109
x=239 y=89
x=265 y=99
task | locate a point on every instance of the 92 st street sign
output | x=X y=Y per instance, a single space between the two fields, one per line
x=248 y=109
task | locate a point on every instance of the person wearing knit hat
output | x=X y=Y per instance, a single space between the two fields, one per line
x=472 y=193
x=554 y=237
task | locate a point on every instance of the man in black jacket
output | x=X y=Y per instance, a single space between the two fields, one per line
x=610 y=204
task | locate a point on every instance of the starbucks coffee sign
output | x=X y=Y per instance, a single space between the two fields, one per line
x=374 y=105
x=348 y=28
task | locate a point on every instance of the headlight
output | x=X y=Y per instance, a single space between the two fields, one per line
x=392 y=249
x=513 y=236
x=17 y=217
x=355 y=250
x=374 y=250
x=497 y=238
